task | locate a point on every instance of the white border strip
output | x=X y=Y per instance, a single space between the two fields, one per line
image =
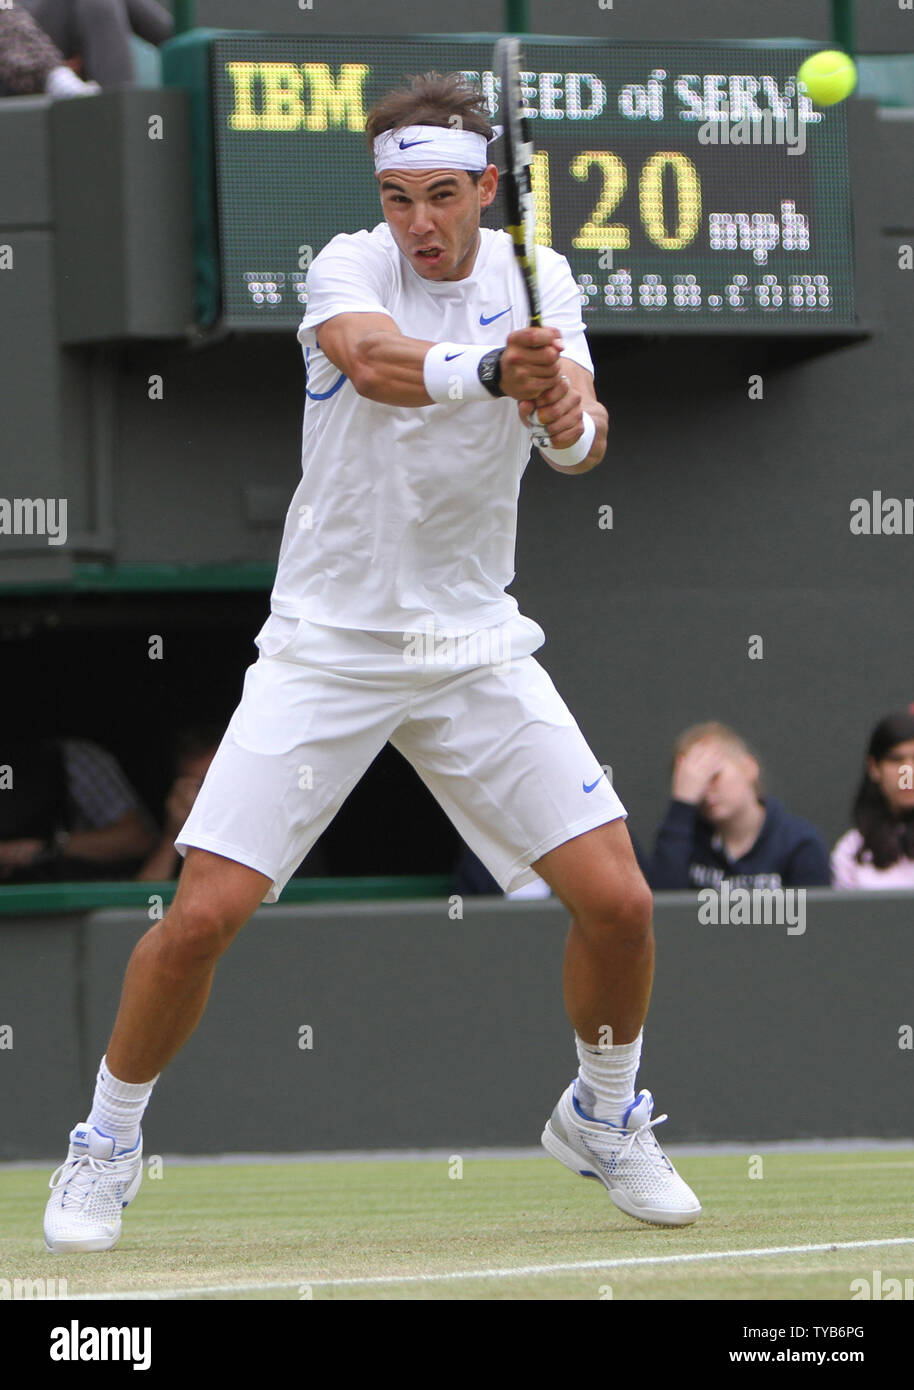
x=707 y=1150
x=375 y=1280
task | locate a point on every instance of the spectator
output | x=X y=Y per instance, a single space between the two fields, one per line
x=31 y=64
x=68 y=813
x=879 y=851
x=195 y=751
x=720 y=825
x=98 y=32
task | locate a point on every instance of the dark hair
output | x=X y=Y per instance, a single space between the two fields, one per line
x=886 y=834
x=195 y=740
x=431 y=99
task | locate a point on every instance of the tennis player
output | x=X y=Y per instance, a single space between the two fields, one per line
x=421 y=377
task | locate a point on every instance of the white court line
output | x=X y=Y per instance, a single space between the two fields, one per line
x=372 y=1280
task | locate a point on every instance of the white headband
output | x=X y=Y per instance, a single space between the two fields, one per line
x=430 y=147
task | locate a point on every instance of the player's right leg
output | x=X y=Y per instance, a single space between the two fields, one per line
x=165 y=990
x=297 y=744
x=170 y=973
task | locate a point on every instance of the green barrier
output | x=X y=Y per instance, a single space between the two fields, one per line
x=844 y=24
x=37 y=899
x=185 y=14
x=244 y=577
x=185 y=63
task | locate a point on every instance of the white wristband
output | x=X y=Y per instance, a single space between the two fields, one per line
x=577 y=452
x=450 y=373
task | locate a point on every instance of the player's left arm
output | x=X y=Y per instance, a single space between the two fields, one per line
x=561 y=409
x=562 y=405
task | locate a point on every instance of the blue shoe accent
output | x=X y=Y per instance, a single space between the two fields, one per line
x=647 y=1099
x=592 y=1119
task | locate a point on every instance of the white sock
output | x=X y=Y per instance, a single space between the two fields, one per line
x=606 y=1078
x=63 y=82
x=117 y=1107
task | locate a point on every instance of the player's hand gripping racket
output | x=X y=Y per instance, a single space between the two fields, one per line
x=520 y=207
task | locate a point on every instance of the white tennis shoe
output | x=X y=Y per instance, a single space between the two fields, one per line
x=88 y=1192
x=627 y=1159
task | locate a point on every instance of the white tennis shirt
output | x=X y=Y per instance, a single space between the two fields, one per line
x=406 y=515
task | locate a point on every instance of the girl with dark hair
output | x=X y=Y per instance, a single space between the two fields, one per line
x=879 y=852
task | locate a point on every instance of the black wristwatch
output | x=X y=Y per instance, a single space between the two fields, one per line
x=489 y=371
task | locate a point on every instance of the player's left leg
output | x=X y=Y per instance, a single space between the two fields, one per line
x=609 y=955
x=505 y=758
x=599 y=1128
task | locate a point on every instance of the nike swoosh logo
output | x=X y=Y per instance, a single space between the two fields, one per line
x=408 y=144
x=449 y=356
x=484 y=321
x=593 y=784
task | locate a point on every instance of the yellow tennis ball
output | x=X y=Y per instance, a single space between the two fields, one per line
x=829 y=77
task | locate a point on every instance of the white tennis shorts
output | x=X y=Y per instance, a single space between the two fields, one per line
x=477 y=717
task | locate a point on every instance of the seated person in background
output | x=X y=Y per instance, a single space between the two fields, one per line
x=98 y=33
x=31 y=64
x=196 y=749
x=879 y=852
x=68 y=812
x=719 y=825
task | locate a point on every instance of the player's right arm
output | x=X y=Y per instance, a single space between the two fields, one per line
x=372 y=352
x=387 y=367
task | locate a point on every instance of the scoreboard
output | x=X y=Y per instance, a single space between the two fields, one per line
x=692 y=187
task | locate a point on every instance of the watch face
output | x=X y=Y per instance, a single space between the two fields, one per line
x=490 y=371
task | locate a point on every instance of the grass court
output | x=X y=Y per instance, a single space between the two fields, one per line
x=508 y=1228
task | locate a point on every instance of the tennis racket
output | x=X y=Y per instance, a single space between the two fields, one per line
x=520 y=207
